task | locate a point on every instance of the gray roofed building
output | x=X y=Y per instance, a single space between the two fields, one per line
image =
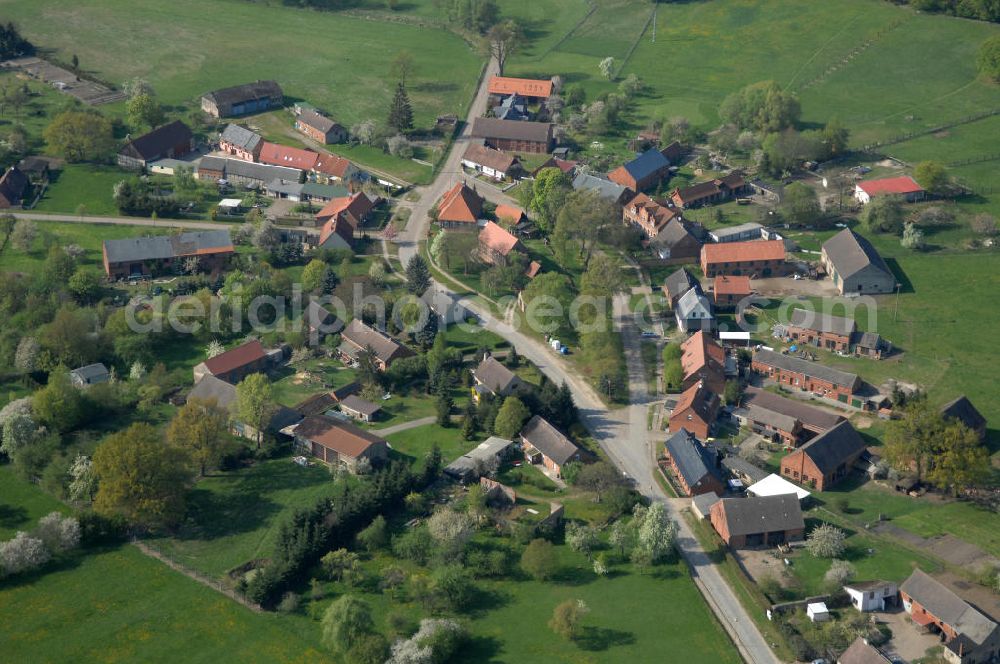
x=676 y=240
x=240 y=137
x=359 y=408
x=168 y=141
x=605 y=188
x=492 y=377
x=815 y=419
x=771 y=418
x=743 y=470
x=224 y=394
x=702 y=503
x=242 y=99
x=798 y=365
x=290 y=189
x=822 y=322
x=548 y=441
x=942 y=606
x=357 y=336
x=238 y=171
x=695 y=464
x=740 y=233
x=855 y=266
x=678 y=283
x=693 y=311
x=486 y=456
x=767 y=514
x=166 y=246
x=494 y=130
x=90 y=374
x=445 y=306
x=323 y=402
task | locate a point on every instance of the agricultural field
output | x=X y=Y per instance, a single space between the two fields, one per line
x=337 y=62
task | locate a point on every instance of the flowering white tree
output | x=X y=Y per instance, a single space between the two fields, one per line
x=83 y=484
x=656 y=533
x=22 y=554
x=19 y=431
x=451 y=529
x=607 y=67
x=826 y=541
x=137 y=371
x=58 y=533
x=436 y=641
x=26 y=356
x=214 y=348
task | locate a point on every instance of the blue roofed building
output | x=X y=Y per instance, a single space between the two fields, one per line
x=645 y=171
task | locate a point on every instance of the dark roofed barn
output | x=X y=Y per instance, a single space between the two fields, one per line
x=13 y=184
x=514 y=135
x=962 y=410
x=167 y=142
x=161 y=253
x=544 y=443
x=243 y=99
x=753 y=522
x=826 y=459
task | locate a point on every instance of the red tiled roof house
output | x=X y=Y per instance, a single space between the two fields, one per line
x=728 y=292
x=461 y=207
x=695 y=411
x=235 y=364
x=339 y=443
x=496 y=244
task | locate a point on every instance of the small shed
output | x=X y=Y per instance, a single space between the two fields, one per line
x=701 y=505
x=230 y=205
x=817 y=612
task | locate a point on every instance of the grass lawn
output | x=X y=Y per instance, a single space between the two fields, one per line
x=872 y=557
x=337 y=62
x=88 y=236
x=118 y=605
x=82 y=184
x=292 y=385
x=926 y=517
x=468 y=341
x=233 y=516
x=416 y=443
x=22 y=504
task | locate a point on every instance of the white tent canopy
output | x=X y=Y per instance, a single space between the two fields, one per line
x=775 y=485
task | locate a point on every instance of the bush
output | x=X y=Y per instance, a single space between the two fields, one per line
x=289 y=603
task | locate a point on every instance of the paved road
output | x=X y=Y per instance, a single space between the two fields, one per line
x=449 y=173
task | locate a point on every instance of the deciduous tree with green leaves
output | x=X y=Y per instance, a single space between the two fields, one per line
x=255 y=403
x=200 y=426
x=141 y=477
